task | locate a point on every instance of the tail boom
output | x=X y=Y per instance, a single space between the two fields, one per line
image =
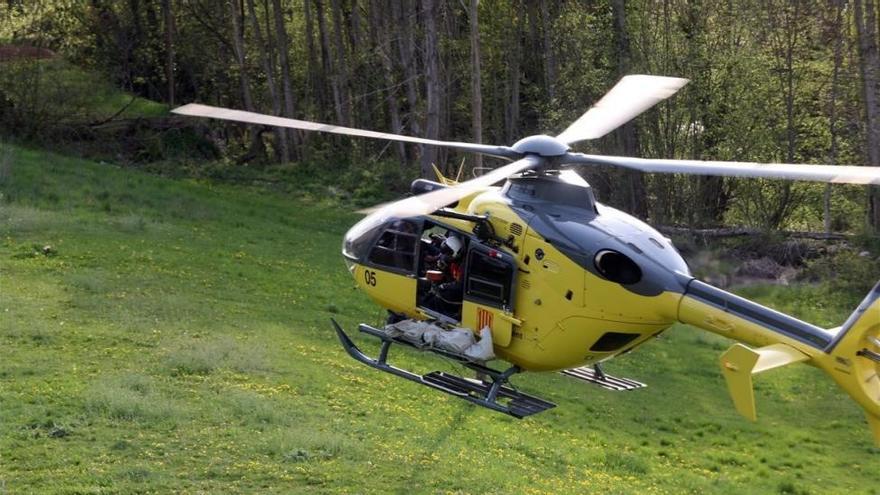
x=850 y=354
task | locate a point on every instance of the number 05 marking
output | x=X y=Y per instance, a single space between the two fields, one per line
x=370 y=277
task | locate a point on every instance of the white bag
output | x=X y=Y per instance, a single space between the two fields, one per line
x=482 y=350
x=410 y=330
x=432 y=336
x=456 y=340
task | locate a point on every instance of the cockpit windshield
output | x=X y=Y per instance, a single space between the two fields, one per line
x=359 y=238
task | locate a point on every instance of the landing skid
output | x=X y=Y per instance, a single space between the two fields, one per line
x=596 y=376
x=492 y=393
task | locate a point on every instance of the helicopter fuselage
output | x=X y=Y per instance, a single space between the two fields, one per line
x=584 y=282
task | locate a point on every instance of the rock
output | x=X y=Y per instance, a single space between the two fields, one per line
x=58 y=432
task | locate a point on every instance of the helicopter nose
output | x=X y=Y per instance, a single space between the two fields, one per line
x=357 y=240
x=350 y=265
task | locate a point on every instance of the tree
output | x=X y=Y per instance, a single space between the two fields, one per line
x=866 y=28
x=634 y=194
x=168 y=17
x=476 y=87
x=269 y=72
x=385 y=50
x=257 y=150
x=432 y=84
x=283 y=45
x=838 y=35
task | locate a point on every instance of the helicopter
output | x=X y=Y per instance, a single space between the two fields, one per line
x=561 y=282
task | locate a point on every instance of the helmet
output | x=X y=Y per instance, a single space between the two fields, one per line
x=453 y=244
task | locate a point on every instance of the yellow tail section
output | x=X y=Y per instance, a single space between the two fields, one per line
x=739 y=363
x=850 y=354
x=854 y=358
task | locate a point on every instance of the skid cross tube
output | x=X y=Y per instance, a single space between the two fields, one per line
x=481 y=393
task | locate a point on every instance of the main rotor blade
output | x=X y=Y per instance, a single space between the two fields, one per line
x=627 y=99
x=427 y=203
x=197 y=110
x=842 y=174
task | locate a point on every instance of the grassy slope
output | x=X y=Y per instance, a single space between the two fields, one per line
x=58 y=89
x=179 y=340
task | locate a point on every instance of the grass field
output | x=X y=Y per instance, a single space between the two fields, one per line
x=161 y=336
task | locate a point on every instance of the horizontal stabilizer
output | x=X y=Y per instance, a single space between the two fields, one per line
x=739 y=363
x=597 y=377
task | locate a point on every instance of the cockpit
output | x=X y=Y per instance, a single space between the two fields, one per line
x=386 y=242
x=360 y=237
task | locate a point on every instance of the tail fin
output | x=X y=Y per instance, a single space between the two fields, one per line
x=446 y=181
x=850 y=354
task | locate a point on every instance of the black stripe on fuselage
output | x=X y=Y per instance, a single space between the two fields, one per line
x=764 y=316
x=856 y=315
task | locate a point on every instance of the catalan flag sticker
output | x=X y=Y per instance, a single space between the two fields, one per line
x=484 y=319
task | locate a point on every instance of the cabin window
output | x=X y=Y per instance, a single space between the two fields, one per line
x=489 y=279
x=396 y=247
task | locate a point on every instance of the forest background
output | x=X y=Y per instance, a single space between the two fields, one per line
x=771 y=81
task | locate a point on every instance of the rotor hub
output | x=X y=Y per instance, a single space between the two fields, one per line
x=541 y=145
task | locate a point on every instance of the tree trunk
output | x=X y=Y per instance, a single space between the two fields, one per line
x=511 y=107
x=340 y=69
x=710 y=200
x=315 y=90
x=404 y=12
x=168 y=15
x=432 y=84
x=550 y=71
x=629 y=146
x=476 y=90
x=832 y=109
x=283 y=45
x=257 y=150
x=867 y=33
x=326 y=58
x=360 y=74
x=385 y=50
x=269 y=70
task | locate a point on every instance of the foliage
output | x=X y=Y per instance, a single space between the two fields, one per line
x=849 y=272
x=43 y=100
x=149 y=273
x=761 y=88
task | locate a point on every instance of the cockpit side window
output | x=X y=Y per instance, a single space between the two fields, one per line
x=396 y=247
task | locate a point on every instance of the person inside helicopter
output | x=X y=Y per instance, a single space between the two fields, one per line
x=444 y=271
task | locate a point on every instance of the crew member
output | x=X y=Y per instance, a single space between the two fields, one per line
x=449 y=293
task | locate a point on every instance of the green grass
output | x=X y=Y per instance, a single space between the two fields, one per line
x=60 y=90
x=174 y=337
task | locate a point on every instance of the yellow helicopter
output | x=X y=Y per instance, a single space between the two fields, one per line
x=560 y=282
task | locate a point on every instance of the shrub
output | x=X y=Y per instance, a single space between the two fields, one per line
x=204 y=357
x=626 y=462
x=128 y=397
x=846 y=271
